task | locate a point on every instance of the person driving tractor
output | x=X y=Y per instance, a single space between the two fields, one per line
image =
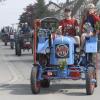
x=69 y=25
x=25 y=28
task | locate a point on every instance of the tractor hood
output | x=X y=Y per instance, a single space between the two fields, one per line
x=64 y=40
x=63 y=48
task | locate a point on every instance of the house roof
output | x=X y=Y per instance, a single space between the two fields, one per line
x=50 y=2
x=65 y=5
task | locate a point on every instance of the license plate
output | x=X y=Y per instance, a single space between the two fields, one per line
x=27 y=43
x=11 y=36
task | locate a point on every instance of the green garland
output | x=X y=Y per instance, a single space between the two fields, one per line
x=62 y=64
x=97 y=26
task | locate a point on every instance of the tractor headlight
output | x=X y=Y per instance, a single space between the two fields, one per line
x=77 y=49
x=47 y=50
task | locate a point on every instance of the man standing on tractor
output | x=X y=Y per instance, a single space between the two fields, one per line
x=69 y=26
x=91 y=18
x=25 y=29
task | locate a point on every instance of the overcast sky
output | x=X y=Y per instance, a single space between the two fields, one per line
x=11 y=9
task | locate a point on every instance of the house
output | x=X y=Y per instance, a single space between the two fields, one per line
x=53 y=6
x=77 y=7
x=59 y=13
x=60 y=8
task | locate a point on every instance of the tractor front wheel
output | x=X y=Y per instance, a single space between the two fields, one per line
x=35 y=84
x=45 y=83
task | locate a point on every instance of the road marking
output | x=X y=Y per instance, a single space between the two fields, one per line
x=12 y=72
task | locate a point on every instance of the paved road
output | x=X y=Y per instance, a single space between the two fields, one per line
x=15 y=81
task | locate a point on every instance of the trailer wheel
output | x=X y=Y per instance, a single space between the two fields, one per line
x=12 y=45
x=96 y=83
x=45 y=83
x=5 y=43
x=35 y=84
x=18 y=48
x=90 y=76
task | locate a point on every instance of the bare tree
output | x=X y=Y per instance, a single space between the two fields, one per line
x=2 y=0
x=77 y=6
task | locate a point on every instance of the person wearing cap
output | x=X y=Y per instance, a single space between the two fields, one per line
x=90 y=17
x=25 y=29
x=69 y=25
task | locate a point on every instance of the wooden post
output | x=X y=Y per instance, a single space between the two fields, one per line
x=37 y=25
x=34 y=45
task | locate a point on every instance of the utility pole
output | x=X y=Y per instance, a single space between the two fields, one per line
x=67 y=1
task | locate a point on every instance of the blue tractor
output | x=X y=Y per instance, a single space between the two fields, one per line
x=59 y=58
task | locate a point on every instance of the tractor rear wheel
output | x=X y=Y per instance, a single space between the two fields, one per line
x=96 y=84
x=90 y=78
